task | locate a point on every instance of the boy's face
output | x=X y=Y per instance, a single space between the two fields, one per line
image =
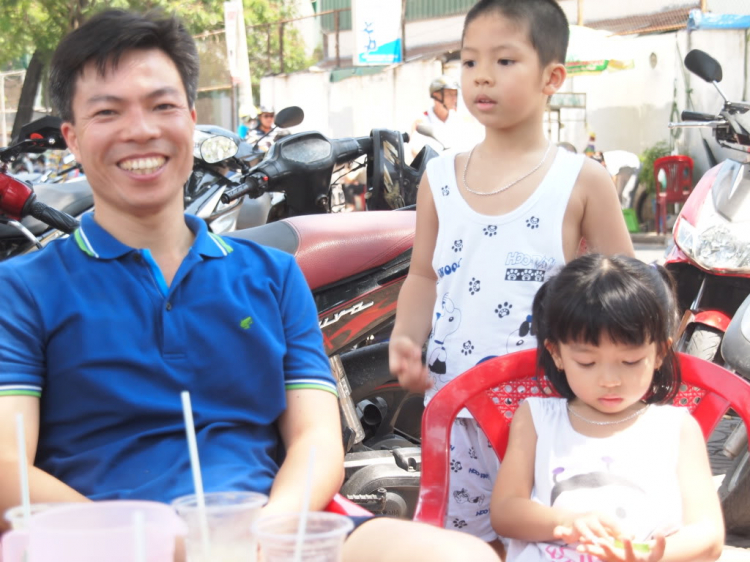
x=133 y=133
x=502 y=81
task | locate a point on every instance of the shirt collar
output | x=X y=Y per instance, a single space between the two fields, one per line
x=96 y=242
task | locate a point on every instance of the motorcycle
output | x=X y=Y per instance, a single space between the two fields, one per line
x=735 y=488
x=711 y=255
x=355 y=264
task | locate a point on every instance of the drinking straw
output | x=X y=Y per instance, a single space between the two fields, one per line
x=139 y=534
x=195 y=466
x=305 y=507
x=23 y=469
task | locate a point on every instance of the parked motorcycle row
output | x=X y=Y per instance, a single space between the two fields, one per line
x=356 y=263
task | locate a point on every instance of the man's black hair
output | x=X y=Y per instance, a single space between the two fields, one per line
x=106 y=38
x=631 y=302
x=545 y=20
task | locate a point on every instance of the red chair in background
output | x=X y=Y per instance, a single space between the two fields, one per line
x=679 y=173
x=492 y=391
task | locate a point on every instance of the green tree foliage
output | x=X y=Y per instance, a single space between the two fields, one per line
x=646 y=175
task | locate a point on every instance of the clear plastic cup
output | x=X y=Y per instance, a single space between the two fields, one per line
x=323 y=540
x=15 y=517
x=96 y=531
x=230 y=517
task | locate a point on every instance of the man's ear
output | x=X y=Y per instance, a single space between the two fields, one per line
x=194 y=115
x=554 y=76
x=71 y=138
x=554 y=351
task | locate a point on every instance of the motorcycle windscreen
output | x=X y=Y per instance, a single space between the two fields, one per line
x=731 y=191
x=387 y=185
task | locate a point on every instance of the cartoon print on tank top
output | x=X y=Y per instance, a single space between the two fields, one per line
x=605 y=492
x=447 y=321
x=518 y=338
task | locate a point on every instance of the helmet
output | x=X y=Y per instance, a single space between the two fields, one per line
x=247 y=113
x=266 y=109
x=443 y=83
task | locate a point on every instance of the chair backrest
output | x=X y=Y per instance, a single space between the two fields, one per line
x=493 y=390
x=679 y=172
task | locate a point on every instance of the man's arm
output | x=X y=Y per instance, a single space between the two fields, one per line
x=42 y=486
x=310 y=420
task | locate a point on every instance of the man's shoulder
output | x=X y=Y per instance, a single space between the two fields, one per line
x=40 y=261
x=252 y=252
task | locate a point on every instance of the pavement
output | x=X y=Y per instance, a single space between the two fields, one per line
x=650 y=248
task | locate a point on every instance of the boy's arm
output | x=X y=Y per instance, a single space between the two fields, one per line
x=43 y=487
x=602 y=225
x=311 y=419
x=416 y=298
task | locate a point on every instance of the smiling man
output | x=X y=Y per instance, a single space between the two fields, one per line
x=105 y=328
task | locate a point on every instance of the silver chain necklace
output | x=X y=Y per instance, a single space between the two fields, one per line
x=511 y=184
x=623 y=420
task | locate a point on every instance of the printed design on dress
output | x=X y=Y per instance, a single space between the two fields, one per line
x=532 y=223
x=456 y=466
x=462 y=496
x=525 y=267
x=472 y=453
x=490 y=230
x=606 y=492
x=448 y=269
x=503 y=309
x=467 y=348
x=459 y=523
x=445 y=190
x=474 y=286
x=517 y=338
x=458 y=245
x=447 y=321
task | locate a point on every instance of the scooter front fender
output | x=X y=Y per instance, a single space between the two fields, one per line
x=715 y=319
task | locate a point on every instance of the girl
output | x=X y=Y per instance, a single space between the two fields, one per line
x=608 y=471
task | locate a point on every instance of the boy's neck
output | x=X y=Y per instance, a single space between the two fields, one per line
x=513 y=141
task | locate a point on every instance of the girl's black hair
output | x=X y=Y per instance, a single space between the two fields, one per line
x=545 y=19
x=631 y=302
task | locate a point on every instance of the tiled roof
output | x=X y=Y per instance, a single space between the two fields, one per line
x=667 y=20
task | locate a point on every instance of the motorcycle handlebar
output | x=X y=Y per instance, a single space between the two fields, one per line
x=251 y=183
x=54 y=218
x=697 y=116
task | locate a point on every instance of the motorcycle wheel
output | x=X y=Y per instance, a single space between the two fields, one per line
x=704 y=343
x=735 y=495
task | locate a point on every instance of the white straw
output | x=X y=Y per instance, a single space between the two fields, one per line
x=305 y=507
x=23 y=469
x=195 y=465
x=139 y=536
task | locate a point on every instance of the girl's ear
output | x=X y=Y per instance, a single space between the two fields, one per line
x=554 y=76
x=554 y=351
x=662 y=353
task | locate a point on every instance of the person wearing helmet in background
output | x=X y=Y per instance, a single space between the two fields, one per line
x=447 y=126
x=266 y=116
x=260 y=134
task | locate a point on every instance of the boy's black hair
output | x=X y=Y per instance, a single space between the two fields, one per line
x=545 y=19
x=109 y=35
x=629 y=301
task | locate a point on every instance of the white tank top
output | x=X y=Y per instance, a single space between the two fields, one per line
x=631 y=476
x=490 y=267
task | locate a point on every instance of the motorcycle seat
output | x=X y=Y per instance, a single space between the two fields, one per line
x=72 y=197
x=332 y=247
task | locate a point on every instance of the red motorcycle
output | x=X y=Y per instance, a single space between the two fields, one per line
x=711 y=256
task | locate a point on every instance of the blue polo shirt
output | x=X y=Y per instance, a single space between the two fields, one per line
x=90 y=326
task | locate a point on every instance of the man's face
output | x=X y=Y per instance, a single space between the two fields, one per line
x=266 y=120
x=450 y=98
x=133 y=134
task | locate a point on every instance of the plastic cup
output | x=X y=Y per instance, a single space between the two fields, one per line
x=15 y=517
x=92 y=532
x=323 y=540
x=230 y=518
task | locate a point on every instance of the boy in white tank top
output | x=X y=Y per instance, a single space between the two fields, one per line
x=494 y=224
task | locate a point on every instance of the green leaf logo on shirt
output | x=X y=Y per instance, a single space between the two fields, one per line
x=246 y=323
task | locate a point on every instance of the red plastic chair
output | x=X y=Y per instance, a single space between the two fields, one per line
x=679 y=172
x=492 y=391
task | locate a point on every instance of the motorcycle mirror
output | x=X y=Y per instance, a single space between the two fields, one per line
x=703 y=65
x=217 y=148
x=289 y=117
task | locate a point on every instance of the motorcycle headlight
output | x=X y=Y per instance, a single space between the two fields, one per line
x=717 y=245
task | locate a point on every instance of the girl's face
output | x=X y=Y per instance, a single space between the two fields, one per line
x=609 y=378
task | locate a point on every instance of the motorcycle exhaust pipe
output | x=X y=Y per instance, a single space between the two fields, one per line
x=736 y=443
x=373 y=413
x=350 y=420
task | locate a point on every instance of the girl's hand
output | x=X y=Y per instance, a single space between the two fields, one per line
x=587 y=528
x=608 y=551
x=405 y=361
